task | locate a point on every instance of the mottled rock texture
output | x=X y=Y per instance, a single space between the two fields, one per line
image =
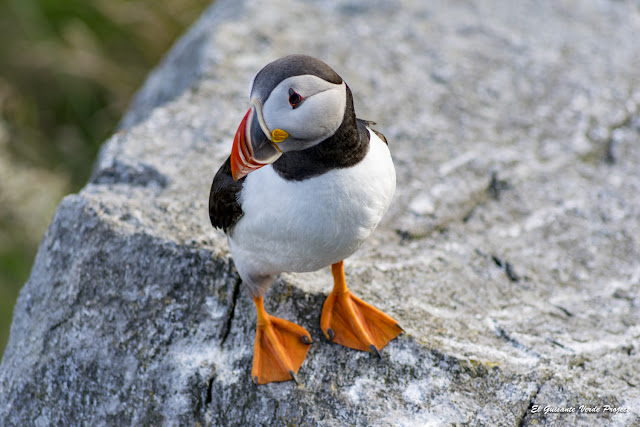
x=511 y=254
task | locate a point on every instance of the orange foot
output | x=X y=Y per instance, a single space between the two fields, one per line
x=349 y=321
x=279 y=349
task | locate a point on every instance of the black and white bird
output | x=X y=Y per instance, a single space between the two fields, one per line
x=305 y=186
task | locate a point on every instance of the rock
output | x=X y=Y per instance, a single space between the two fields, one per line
x=510 y=255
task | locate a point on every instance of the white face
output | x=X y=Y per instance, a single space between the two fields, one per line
x=314 y=119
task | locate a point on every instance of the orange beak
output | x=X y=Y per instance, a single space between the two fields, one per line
x=252 y=149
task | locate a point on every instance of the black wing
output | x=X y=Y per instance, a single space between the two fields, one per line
x=368 y=124
x=224 y=208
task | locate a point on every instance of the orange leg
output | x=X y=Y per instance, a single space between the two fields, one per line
x=349 y=321
x=279 y=349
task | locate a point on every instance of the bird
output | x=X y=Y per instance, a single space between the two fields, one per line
x=304 y=187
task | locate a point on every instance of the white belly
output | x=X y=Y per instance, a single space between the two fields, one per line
x=307 y=225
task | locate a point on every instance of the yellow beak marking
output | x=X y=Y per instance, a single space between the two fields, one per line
x=279 y=135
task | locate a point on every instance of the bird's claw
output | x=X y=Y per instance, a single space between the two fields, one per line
x=375 y=351
x=330 y=334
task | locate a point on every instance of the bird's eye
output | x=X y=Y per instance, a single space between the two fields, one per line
x=294 y=98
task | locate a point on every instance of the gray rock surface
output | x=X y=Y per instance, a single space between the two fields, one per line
x=511 y=255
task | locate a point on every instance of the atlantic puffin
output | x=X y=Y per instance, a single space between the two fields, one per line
x=304 y=187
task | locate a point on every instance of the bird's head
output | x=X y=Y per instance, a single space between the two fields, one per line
x=296 y=102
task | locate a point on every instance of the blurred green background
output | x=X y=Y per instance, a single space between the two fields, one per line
x=68 y=69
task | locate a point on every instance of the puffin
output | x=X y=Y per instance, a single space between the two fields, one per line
x=304 y=187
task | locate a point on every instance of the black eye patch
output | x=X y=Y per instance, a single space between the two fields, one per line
x=295 y=99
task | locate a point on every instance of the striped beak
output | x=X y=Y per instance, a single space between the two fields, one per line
x=253 y=147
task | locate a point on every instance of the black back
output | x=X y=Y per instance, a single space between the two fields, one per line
x=224 y=208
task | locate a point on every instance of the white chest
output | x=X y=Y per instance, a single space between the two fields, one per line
x=310 y=224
